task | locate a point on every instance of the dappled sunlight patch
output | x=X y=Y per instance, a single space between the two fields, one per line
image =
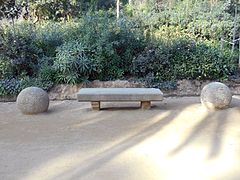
x=191 y=163
x=183 y=166
x=193 y=132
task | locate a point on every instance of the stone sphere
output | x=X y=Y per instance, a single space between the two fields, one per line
x=216 y=95
x=32 y=100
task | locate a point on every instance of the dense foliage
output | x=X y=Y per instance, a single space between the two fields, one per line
x=184 y=59
x=70 y=41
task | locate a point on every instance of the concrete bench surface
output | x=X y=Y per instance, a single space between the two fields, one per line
x=96 y=95
x=119 y=94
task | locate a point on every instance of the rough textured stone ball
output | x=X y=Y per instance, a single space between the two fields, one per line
x=216 y=95
x=33 y=100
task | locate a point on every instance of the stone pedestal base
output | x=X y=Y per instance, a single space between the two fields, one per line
x=145 y=104
x=95 y=105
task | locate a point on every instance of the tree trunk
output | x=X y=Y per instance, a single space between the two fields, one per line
x=234 y=30
x=118 y=8
x=239 y=51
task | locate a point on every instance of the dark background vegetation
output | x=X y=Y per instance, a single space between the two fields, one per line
x=47 y=42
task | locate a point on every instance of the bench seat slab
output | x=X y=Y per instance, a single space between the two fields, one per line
x=119 y=94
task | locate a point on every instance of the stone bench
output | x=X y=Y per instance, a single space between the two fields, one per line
x=97 y=95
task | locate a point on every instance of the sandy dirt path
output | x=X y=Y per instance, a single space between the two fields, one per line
x=176 y=139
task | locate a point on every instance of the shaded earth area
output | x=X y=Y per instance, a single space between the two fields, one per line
x=176 y=139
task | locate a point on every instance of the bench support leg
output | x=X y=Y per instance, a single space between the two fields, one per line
x=95 y=105
x=146 y=104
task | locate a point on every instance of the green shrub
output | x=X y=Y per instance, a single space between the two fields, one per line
x=47 y=71
x=13 y=86
x=200 y=19
x=9 y=87
x=113 y=43
x=184 y=59
x=50 y=35
x=6 y=68
x=36 y=82
x=73 y=63
x=25 y=46
x=18 y=47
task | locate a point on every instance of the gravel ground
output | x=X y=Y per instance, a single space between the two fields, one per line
x=176 y=139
